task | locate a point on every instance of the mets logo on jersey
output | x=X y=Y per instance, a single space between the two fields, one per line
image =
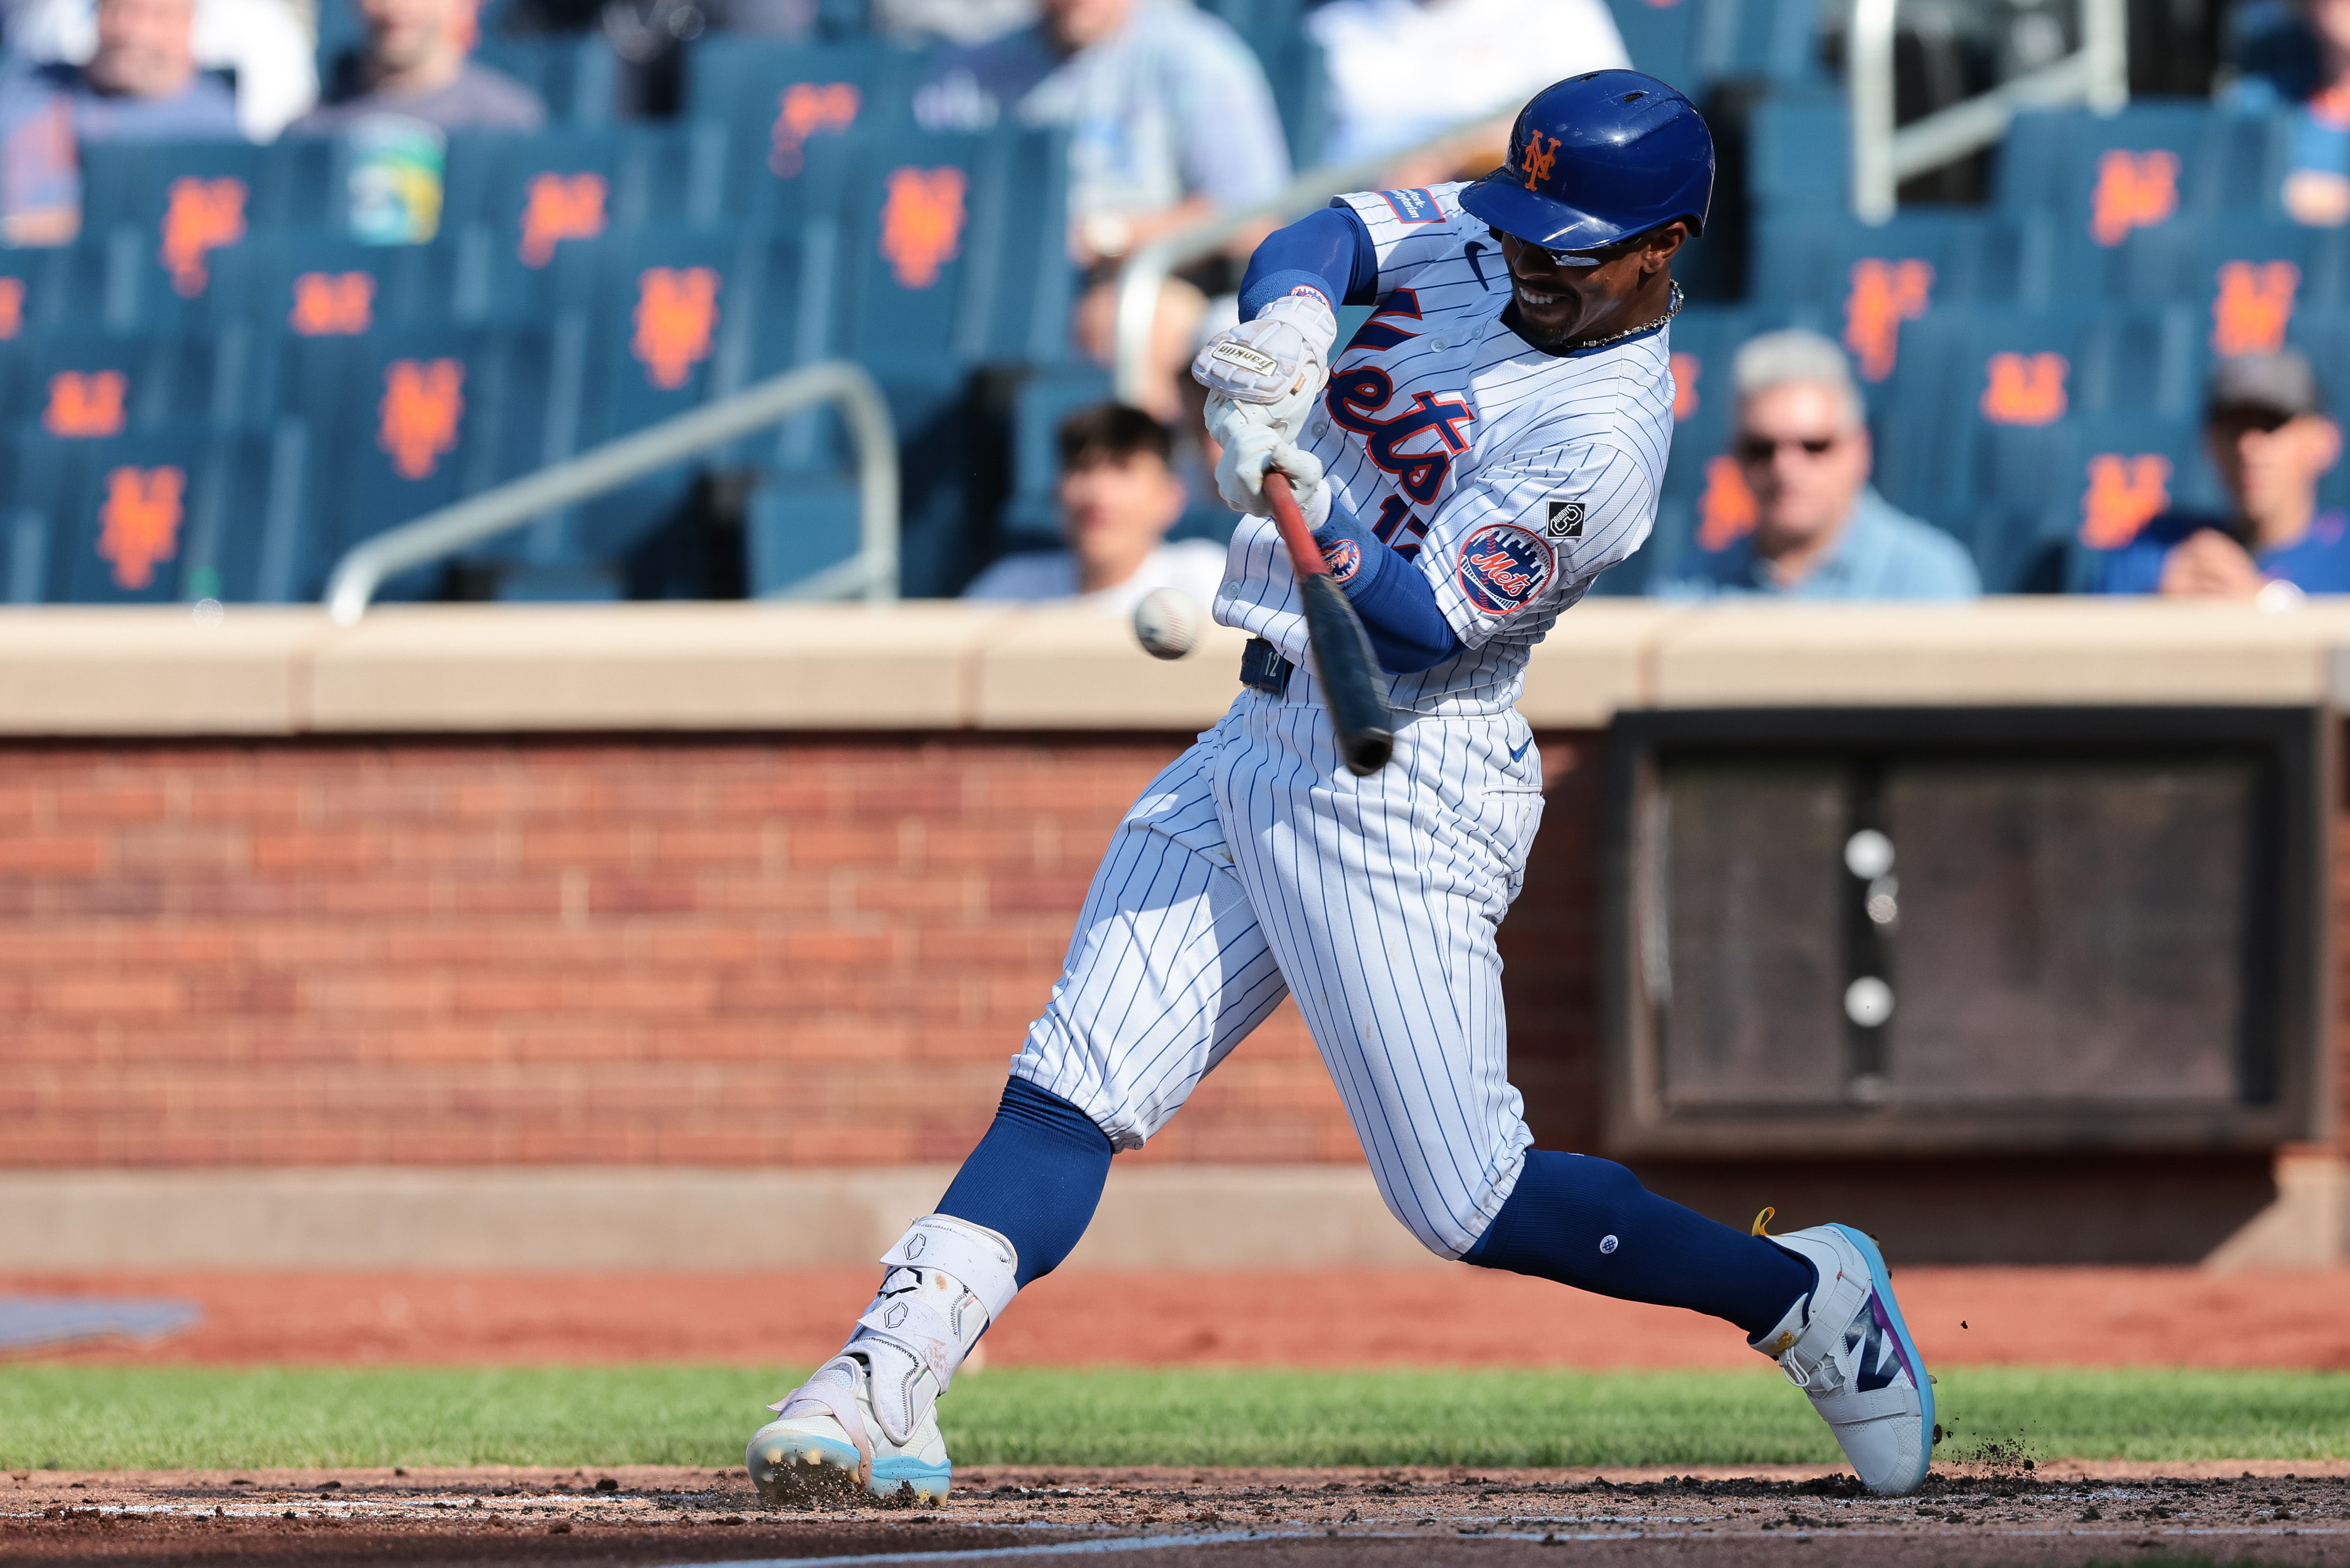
x=1345 y=559
x=1355 y=399
x=1504 y=567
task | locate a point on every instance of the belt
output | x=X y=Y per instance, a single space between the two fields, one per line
x=1262 y=667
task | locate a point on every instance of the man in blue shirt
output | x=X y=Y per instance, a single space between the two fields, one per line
x=141 y=85
x=1818 y=531
x=2265 y=428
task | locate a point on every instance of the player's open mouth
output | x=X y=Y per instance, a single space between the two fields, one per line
x=1528 y=295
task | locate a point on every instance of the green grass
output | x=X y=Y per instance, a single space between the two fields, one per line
x=85 y=1417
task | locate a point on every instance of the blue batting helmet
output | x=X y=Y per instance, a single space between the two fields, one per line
x=1597 y=159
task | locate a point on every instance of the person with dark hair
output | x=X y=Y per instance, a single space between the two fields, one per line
x=419 y=64
x=2267 y=432
x=1119 y=495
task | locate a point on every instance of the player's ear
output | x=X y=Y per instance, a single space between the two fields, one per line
x=1659 y=245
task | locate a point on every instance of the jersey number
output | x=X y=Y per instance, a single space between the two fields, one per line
x=1398 y=528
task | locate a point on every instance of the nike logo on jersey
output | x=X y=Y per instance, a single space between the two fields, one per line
x=1519 y=749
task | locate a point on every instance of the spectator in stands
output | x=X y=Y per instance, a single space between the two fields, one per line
x=2265 y=427
x=1120 y=496
x=1820 y=532
x=1403 y=70
x=418 y=62
x=140 y=85
x=262 y=43
x=1170 y=120
x=2296 y=55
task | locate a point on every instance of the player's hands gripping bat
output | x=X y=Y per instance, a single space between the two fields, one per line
x=1343 y=658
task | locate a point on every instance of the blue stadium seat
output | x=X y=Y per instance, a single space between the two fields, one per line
x=89 y=384
x=1662 y=38
x=577 y=77
x=1801 y=155
x=1031 y=518
x=172 y=514
x=401 y=421
x=318 y=284
x=1810 y=256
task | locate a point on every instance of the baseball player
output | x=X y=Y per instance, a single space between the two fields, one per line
x=1490 y=442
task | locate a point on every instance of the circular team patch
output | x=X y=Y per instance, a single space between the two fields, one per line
x=1504 y=567
x=1345 y=559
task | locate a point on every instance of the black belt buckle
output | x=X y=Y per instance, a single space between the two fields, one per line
x=1262 y=667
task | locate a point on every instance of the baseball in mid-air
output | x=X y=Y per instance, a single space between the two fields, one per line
x=1167 y=623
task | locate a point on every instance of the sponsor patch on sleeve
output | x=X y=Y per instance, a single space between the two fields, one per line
x=1504 y=567
x=1565 y=520
x=1345 y=557
x=1414 y=206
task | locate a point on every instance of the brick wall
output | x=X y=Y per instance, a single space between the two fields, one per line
x=693 y=951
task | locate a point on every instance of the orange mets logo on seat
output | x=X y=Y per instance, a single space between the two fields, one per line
x=2250 y=313
x=1885 y=294
x=2123 y=493
x=2024 y=388
x=86 y=405
x=12 y=307
x=1686 y=369
x=921 y=222
x=803 y=110
x=2133 y=190
x=333 y=303
x=139 y=523
x=423 y=401
x=677 y=309
x=557 y=207
x=1726 y=511
x=202 y=216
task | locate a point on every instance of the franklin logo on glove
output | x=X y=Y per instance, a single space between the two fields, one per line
x=1246 y=357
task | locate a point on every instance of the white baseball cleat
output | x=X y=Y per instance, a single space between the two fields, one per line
x=827 y=1448
x=1845 y=1346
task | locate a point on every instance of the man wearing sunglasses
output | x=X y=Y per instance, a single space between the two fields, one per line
x=2266 y=430
x=1818 y=531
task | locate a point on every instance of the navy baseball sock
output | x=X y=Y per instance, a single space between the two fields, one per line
x=1034 y=1178
x=1589 y=1223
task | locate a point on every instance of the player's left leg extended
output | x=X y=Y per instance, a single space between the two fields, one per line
x=1390 y=891
x=1166 y=973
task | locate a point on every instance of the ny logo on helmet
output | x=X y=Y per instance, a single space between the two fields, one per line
x=1538 y=158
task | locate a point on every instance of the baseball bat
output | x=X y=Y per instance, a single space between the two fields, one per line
x=1343 y=659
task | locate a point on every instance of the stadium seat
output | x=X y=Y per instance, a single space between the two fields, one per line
x=85 y=384
x=1801 y=156
x=782 y=107
x=575 y=75
x=1031 y=518
x=172 y=514
x=1893 y=270
x=405 y=420
x=1662 y=38
x=318 y=284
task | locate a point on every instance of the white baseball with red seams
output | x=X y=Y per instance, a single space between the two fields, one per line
x=1256 y=865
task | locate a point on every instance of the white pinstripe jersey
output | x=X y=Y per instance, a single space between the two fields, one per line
x=1508 y=476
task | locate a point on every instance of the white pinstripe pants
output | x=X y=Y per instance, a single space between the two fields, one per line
x=1254 y=867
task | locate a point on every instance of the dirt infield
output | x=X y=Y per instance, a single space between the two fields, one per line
x=2078 y=1317
x=2058 y=1514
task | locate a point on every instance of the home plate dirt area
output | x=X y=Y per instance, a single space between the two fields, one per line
x=2057 y=1513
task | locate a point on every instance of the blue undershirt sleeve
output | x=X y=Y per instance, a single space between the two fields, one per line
x=1398 y=607
x=1330 y=250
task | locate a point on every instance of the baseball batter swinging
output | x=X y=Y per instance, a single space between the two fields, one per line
x=1489 y=440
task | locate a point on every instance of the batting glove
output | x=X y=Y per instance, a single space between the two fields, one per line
x=1278 y=361
x=1239 y=474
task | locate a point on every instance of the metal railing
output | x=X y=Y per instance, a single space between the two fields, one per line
x=871 y=573
x=2096 y=74
x=1150 y=266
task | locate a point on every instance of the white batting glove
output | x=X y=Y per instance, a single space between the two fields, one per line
x=1239 y=475
x=1281 y=360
